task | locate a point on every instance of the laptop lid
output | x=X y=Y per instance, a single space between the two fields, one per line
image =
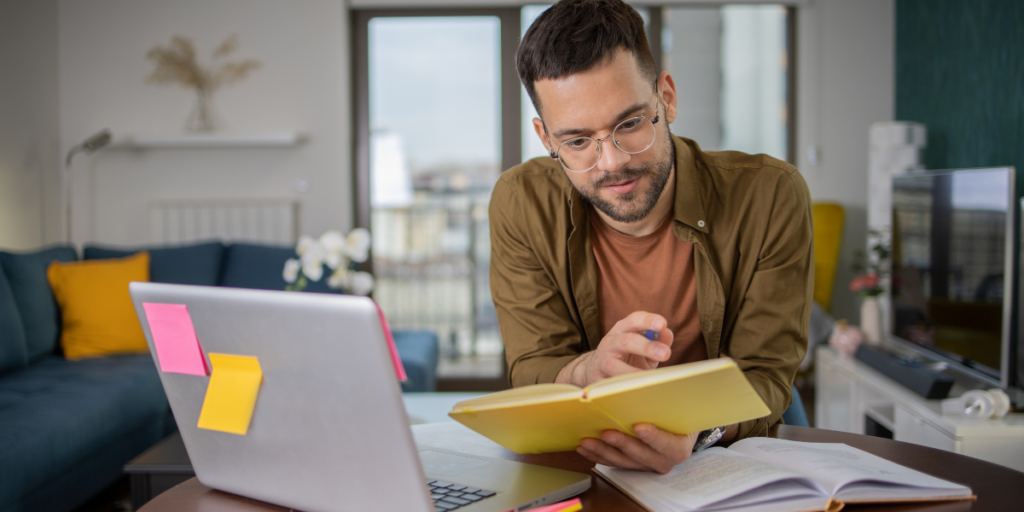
x=328 y=431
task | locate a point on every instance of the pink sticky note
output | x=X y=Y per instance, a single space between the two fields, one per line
x=397 y=361
x=177 y=347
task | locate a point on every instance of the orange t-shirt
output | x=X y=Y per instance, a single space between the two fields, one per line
x=652 y=273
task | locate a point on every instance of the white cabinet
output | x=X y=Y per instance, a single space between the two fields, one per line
x=850 y=394
x=833 y=407
x=912 y=429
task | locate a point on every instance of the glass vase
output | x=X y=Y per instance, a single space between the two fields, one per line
x=871 y=320
x=202 y=118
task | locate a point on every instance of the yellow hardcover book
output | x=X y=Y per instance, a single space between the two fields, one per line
x=555 y=417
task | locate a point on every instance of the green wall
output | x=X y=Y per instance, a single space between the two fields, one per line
x=960 y=71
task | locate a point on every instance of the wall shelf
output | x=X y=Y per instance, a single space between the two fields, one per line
x=209 y=140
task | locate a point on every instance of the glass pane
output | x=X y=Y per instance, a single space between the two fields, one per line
x=730 y=68
x=434 y=158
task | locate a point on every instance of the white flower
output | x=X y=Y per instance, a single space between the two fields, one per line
x=333 y=245
x=305 y=242
x=313 y=270
x=291 y=270
x=313 y=262
x=334 y=260
x=361 y=283
x=332 y=241
x=339 y=279
x=357 y=245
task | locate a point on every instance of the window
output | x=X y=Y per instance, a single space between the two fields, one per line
x=440 y=113
x=431 y=144
x=731 y=69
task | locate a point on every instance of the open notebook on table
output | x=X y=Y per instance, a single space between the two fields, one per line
x=762 y=474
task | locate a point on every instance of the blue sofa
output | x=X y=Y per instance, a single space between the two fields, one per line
x=68 y=427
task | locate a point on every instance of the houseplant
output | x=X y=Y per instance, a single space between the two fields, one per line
x=333 y=255
x=870 y=284
x=177 y=63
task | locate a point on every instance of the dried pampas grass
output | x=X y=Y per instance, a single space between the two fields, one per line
x=177 y=63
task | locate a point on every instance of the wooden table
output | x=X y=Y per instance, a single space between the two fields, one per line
x=156 y=470
x=998 y=488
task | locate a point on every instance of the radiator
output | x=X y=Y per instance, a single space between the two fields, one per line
x=272 y=221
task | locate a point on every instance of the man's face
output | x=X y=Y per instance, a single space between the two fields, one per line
x=624 y=187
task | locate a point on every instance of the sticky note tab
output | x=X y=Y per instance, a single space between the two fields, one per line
x=572 y=505
x=177 y=346
x=231 y=394
x=397 y=361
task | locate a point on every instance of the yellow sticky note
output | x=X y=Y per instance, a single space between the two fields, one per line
x=231 y=394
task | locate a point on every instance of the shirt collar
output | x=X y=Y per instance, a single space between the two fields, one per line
x=689 y=205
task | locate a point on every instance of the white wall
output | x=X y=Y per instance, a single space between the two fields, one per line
x=29 y=152
x=303 y=85
x=846 y=81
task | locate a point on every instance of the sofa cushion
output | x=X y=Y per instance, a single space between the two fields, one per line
x=13 y=354
x=187 y=264
x=57 y=414
x=418 y=351
x=97 y=311
x=262 y=267
x=40 y=317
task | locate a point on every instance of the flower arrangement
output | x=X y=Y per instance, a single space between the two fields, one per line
x=873 y=268
x=176 y=63
x=338 y=254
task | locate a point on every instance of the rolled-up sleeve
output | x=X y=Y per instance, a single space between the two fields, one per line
x=770 y=335
x=535 y=321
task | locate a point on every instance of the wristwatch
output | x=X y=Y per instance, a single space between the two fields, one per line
x=708 y=438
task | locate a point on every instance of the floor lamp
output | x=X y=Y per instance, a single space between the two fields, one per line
x=88 y=146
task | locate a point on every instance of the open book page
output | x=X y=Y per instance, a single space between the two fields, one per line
x=717 y=479
x=811 y=504
x=525 y=394
x=849 y=474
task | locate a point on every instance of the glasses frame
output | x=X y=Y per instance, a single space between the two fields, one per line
x=654 y=122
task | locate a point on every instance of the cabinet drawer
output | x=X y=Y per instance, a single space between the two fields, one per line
x=911 y=429
x=834 y=404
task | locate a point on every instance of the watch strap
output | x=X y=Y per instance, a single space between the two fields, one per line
x=708 y=438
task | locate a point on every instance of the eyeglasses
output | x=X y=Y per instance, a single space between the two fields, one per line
x=632 y=136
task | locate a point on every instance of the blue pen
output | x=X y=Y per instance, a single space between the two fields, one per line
x=652 y=335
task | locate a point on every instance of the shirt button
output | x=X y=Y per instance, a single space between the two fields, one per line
x=700 y=223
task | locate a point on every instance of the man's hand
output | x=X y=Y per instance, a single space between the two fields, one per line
x=623 y=350
x=655 y=450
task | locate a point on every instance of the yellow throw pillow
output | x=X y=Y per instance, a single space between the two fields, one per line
x=96 y=309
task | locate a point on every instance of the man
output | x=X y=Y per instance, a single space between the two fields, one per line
x=628 y=229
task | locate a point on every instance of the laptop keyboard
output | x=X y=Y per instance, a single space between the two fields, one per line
x=449 y=496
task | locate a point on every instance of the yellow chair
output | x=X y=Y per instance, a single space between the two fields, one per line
x=828 y=236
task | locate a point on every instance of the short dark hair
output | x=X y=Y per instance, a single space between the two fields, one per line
x=576 y=35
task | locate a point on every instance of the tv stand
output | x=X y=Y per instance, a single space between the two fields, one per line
x=850 y=396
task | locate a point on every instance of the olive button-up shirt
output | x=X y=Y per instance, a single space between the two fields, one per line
x=749 y=220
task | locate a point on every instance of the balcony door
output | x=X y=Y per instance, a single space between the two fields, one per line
x=438 y=119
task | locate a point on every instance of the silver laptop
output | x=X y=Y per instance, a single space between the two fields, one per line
x=329 y=431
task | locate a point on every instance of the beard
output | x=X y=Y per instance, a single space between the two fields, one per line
x=634 y=205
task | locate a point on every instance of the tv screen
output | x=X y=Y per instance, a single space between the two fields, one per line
x=951 y=246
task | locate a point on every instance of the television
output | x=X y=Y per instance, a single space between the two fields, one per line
x=956 y=270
